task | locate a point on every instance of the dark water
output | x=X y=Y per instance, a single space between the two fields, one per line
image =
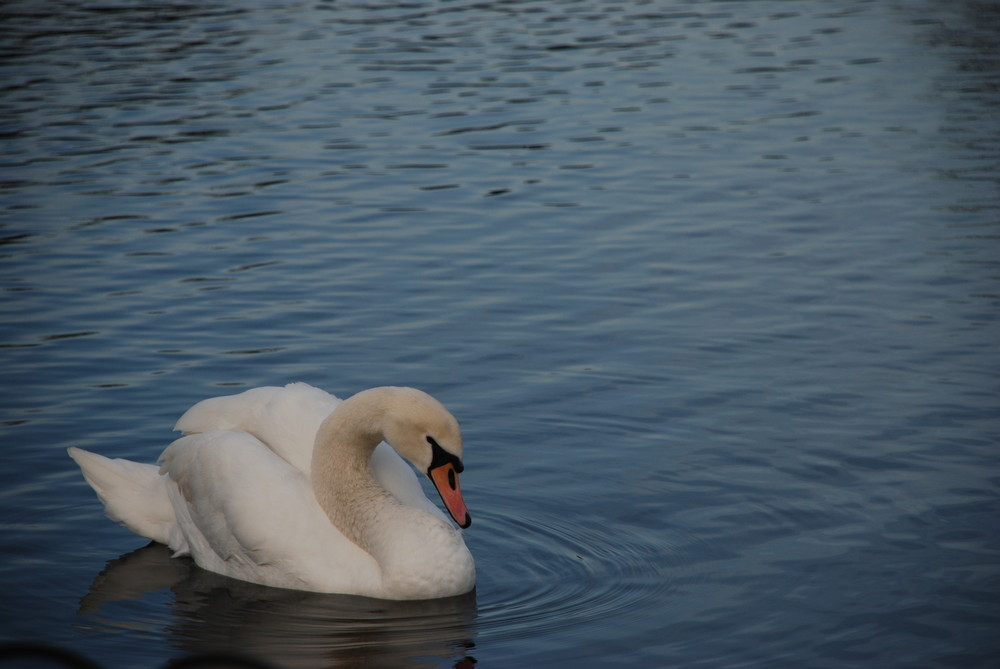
x=712 y=286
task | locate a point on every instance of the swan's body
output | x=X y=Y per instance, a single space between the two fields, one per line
x=290 y=487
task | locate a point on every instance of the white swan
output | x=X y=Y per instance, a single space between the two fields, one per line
x=290 y=487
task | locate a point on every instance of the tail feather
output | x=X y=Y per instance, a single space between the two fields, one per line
x=134 y=494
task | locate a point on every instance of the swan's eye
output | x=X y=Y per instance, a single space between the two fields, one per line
x=439 y=456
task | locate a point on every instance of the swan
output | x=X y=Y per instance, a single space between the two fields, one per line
x=290 y=487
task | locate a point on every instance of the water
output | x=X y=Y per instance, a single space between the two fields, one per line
x=712 y=287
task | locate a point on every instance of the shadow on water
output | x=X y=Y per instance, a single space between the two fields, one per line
x=212 y=614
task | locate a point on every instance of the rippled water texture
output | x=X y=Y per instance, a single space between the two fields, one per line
x=712 y=287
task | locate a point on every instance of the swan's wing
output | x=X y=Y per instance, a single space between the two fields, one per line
x=246 y=513
x=286 y=419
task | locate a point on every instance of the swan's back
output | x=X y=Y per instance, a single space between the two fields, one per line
x=286 y=419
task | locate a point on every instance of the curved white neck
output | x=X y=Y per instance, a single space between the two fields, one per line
x=341 y=476
x=419 y=555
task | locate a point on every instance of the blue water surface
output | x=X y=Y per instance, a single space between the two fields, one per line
x=713 y=288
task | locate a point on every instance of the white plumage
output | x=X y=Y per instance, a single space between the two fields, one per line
x=290 y=487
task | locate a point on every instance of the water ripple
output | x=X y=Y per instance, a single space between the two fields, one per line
x=566 y=573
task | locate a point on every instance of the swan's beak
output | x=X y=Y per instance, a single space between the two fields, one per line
x=445 y=479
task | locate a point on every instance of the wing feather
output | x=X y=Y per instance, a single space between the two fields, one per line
x=239 y=505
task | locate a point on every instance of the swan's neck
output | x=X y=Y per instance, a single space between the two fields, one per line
x=419 y=555
x=341 y=469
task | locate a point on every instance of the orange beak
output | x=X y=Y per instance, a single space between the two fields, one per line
x=445 y=479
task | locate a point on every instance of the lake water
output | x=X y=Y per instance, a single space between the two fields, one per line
x=713 y=288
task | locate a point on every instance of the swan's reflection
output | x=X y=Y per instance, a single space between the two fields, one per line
x=289 y=628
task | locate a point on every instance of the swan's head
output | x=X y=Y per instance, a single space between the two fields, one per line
x=425 y=433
